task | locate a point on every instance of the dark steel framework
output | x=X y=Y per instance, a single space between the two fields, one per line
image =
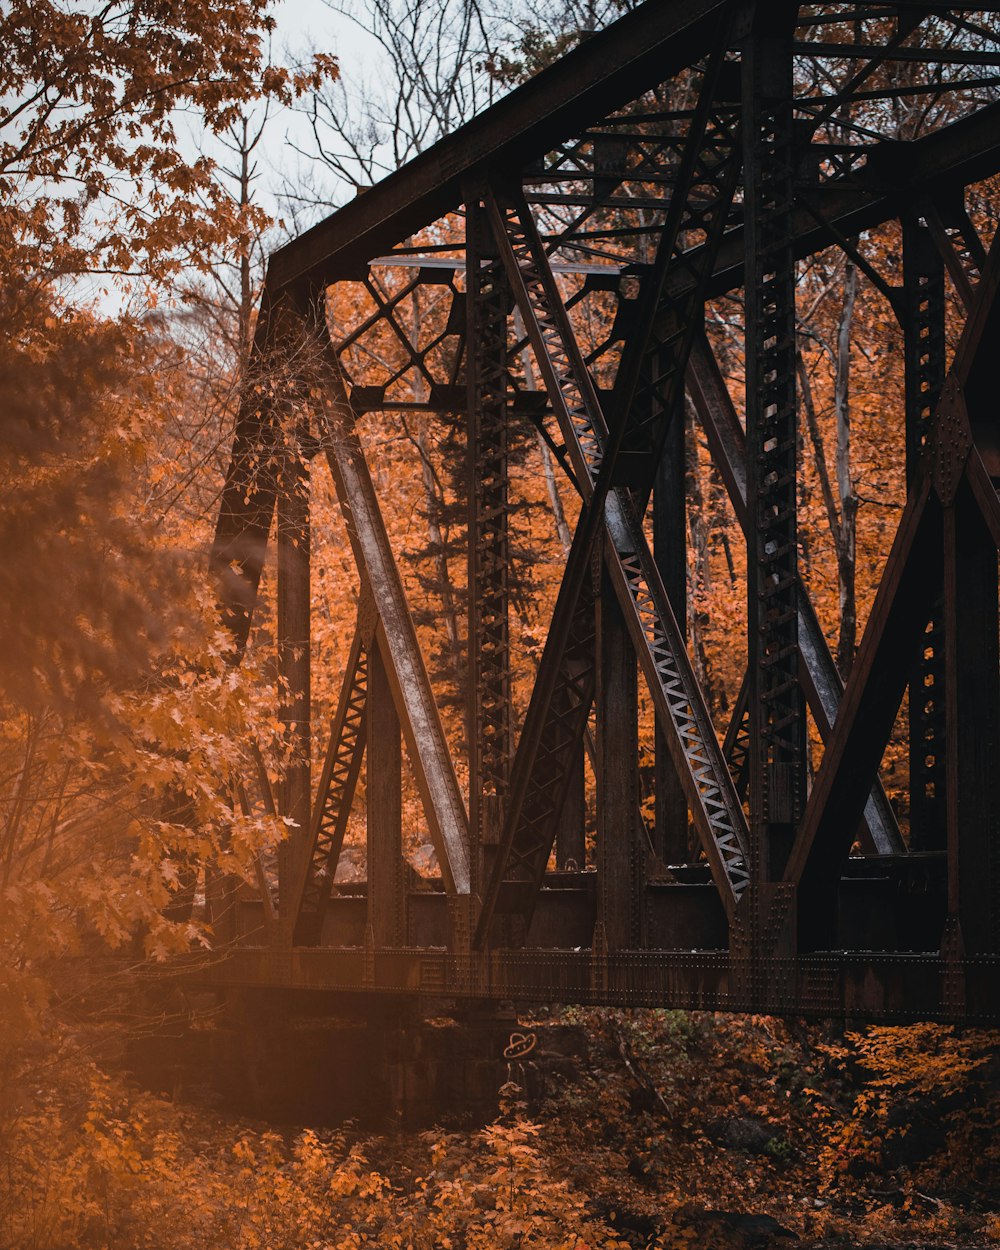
x=695 y=149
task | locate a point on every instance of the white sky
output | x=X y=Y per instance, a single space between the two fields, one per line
x=303 y=26
x=304 y=23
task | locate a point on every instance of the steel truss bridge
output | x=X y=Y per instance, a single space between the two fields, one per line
x=694 y=150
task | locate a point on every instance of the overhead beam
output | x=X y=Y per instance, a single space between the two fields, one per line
x=646 y=46
x=595 y=78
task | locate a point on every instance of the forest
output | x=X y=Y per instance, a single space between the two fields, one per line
x=153 y=153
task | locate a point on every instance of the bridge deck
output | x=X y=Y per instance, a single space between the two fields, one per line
x=891 y=915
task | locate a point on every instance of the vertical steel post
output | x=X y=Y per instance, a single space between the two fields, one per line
x=489 y=303
x=924 y=355
x=670 y=553
x=777 y=713
x=972 y=695
x=293 y=629
x=619 y=880
x=386 y=896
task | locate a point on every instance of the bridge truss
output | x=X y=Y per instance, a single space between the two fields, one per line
x=575 y=232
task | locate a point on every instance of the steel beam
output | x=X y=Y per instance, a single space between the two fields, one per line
x=972 y=695
x=571 y=839
x=670 y=547
x=659 y=645
x=642 y=48
x=924 y=361
x=776 y=708
x=840 y=985
x=488 y=302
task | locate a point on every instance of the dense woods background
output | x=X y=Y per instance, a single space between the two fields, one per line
x=144 y=172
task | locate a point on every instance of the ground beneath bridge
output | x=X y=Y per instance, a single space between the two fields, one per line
x=664 y=1130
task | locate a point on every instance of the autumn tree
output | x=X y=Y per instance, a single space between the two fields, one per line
x=114 y=692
